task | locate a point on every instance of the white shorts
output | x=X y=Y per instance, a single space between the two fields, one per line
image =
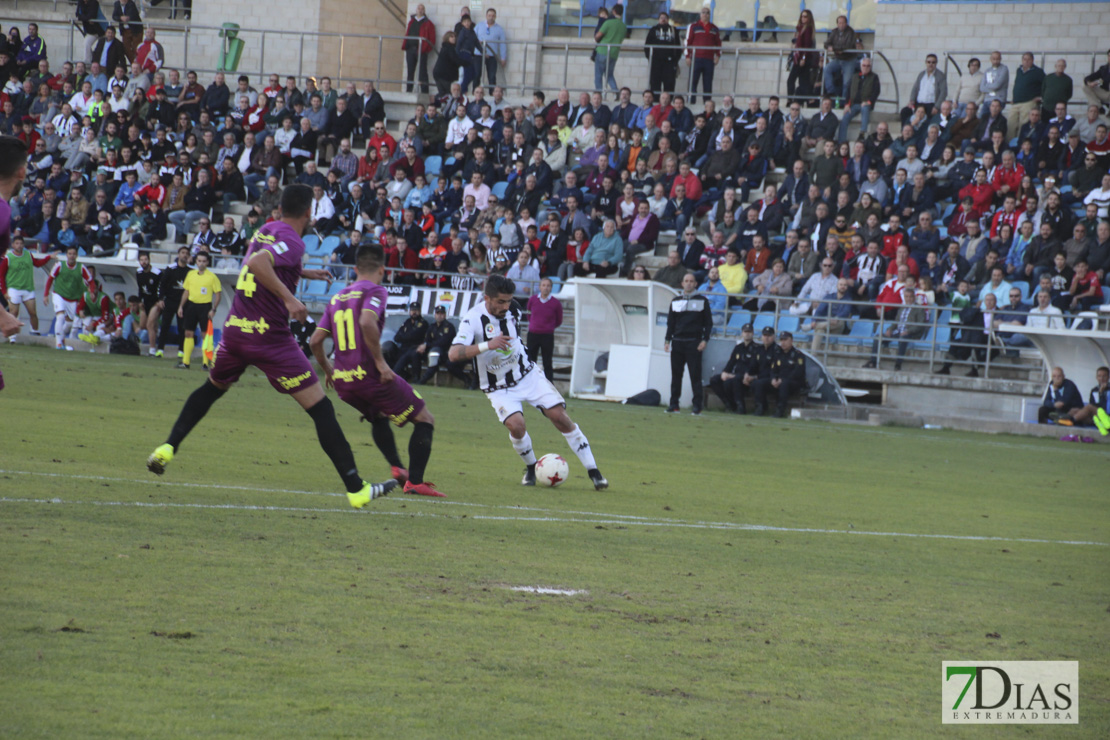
x=61 y=305
x=533 y=388
x=18 y=296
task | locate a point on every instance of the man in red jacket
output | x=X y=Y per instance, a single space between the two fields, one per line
x=420 y=40
x=703 y=51
x=980 y=191
x=1008 y=177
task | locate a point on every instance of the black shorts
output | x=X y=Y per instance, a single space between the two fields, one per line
x=149 y=302
x=195 y=317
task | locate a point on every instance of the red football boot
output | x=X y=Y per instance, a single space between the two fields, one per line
x=423 y=489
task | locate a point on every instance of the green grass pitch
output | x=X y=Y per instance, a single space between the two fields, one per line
x=741 y=578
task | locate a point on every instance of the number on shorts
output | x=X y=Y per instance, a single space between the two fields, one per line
x=246 y=282
x=344 y=329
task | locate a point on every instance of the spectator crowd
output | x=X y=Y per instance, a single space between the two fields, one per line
x=986 y=190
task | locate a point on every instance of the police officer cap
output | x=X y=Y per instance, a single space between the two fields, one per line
x=441 y=309
x=768 y=331
x=785 y=335
x=746 y=327
x=414 y=306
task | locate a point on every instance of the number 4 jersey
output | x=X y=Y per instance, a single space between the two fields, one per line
x=353 y=361
x=255 y=311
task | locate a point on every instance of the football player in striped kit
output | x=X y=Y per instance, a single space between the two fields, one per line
x=490 y=334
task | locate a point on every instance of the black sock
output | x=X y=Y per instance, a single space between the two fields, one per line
x=420 y=449
x=335 y=444
x=196 y=406
x=383 y=438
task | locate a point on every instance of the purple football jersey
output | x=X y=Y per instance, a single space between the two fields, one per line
x=353 y=361
x=256 y=311
x=5 y=226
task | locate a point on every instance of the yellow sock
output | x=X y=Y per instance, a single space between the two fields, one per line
x=187 y=350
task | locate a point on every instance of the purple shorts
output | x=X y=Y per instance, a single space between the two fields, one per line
x=1 y=381
x=396 y=400
x=279 y=357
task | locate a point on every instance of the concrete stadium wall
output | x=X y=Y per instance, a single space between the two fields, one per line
x=908 y=31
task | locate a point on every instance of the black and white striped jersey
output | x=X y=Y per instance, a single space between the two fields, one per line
x=497 y=368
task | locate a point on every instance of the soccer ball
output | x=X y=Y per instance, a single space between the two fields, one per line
x=551 y=470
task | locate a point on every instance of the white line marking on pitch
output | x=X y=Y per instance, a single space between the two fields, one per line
x=549 y=591
x=562 y=520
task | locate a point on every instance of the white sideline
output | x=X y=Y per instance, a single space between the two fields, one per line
x=596 y=517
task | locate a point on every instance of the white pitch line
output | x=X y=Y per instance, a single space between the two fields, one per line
x=548 y=591
x=560 y=520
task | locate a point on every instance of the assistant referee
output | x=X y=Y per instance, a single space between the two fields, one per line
x=689 y=322
x=199 y=302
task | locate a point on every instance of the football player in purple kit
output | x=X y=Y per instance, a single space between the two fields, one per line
x=257 y=333
x=354 y=318
x=13 y=169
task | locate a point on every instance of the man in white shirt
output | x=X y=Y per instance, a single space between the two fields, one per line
x=323 y=212
x=1044 y=315
x=1101 y=198
x=819 y=285
x=458 y=127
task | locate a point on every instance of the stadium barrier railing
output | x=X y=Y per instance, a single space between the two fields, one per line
x=525 y=73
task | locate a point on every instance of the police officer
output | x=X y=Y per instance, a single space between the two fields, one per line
x=732 y=383
x=689 y=322
x=765 y=356
x=440 y=335
x=410 y=336
x=788 y=372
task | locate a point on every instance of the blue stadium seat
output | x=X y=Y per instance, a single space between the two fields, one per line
x=433 y=165
x=862 y=332
x=317 y=288
x=788 y=323
x=311 y=242
x=762 y=320
x=737 y=319
x=948 y=211
x=327 y=246
x=337 y=286
x=1023 y=287
x=499 y=189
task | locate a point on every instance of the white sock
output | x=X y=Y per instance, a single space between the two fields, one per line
x=59 y=328
x=68 y=329
x=523 y=447
x=581 y=447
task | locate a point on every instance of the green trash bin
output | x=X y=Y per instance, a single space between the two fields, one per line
x=232 y=50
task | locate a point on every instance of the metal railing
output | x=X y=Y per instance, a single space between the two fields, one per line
x=853 y=347
x=530 y=66
x=1041 y=58
x=584 y=19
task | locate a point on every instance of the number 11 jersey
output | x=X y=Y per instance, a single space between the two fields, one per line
x=353 y=361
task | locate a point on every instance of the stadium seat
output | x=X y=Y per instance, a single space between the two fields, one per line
x=762 y=320
x=311 y=242
x=337 y=286
x=327 y=246
x=788 y=323
x=948 y=211
x=499 y=189
x=433 y=165
x=862 y=332
x=315 y=288
x=1023 y=287
x=736 y=320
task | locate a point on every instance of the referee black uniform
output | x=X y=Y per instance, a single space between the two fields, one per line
x=689 y=322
